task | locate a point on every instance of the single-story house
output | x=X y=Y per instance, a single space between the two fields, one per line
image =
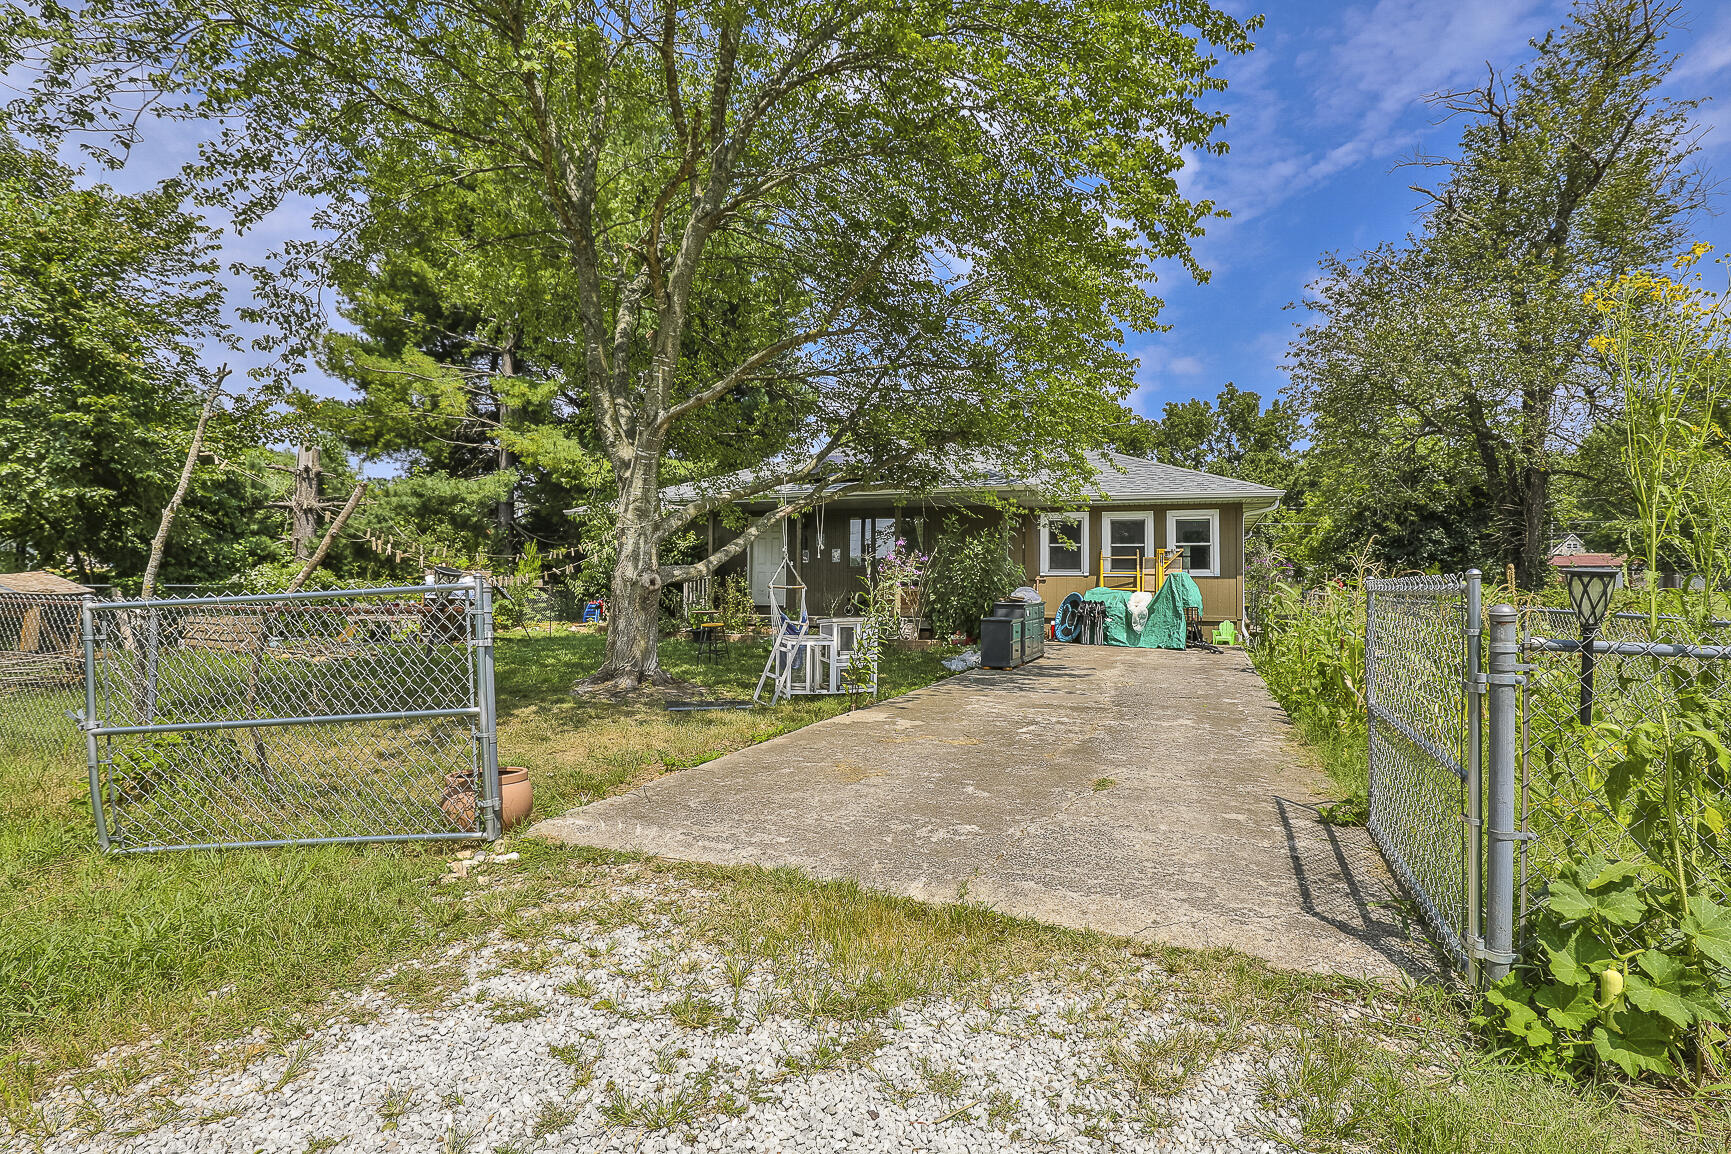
x=1580 y=559
x=1135 y=507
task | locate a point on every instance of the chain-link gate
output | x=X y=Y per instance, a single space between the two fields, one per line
x=41 y=678
x=1577 y=795
x=333 y=716
x=1421 y=641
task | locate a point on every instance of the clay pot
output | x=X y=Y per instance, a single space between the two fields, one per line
x=516 y=795
x=458 y=801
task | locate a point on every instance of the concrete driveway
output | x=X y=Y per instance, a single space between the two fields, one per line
x=1148 y=793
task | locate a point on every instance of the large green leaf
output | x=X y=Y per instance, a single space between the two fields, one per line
x=1708 y=927
x=1608 y=872
x=1642 y=1044
x=1673 y=994
x=1619 y=905
x=1625 y=771
x=1568 y=1007
x=1575 y=955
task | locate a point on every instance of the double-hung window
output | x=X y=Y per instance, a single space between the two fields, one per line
x=1127 y=541
x=1064 y=544
x=1196 y=534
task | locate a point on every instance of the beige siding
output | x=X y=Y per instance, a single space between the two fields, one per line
x=1222 y=596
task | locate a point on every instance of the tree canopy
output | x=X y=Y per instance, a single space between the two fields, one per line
x=1448 y=378
x=903 y=235
x=103 y=300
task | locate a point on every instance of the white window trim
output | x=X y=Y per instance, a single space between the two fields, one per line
x=1173 y=516
x=1147 y=520
x=1046 y=569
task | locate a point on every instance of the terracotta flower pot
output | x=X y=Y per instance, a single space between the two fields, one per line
x=516 y=795
x=457 y=802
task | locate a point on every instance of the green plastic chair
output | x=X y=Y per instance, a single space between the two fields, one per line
x=1224 y=634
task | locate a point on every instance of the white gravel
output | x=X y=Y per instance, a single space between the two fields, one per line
x=595 y=1061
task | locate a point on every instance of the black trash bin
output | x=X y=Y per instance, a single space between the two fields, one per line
x=1014 y=634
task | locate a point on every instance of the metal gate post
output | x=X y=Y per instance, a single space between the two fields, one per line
x=1498 y=952
x=487 y=729
x=1474 y=847
x=87 y=719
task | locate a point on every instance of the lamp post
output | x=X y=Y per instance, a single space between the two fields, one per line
x=1590 y=589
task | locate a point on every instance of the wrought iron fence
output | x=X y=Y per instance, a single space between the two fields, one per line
x=340 y=715
x=1423 y=747
x=1581 y=793
x=41 y=678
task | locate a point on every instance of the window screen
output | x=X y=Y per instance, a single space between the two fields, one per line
x=1064 y=545
x=1195 y=537
x=1127 y=542
x=868 y=537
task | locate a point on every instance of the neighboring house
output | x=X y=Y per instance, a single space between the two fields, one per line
x=1137 y=505
x=1571 y=553
x=38 y=614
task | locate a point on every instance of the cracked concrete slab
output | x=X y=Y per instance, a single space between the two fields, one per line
x=1149 y=793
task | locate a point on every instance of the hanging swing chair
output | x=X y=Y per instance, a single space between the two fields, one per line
x=787 y=612
x=795 y=658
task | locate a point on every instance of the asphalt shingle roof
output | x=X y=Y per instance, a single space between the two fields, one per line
x=38 y=582
x=1123 y=478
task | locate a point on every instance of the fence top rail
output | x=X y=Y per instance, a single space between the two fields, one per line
x=265 y=598
x=1631 y=648
x=1622 y=615
x=1425 y=584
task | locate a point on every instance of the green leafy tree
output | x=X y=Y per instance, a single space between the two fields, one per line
x=944 y=213
x=103 y=300
x=1467 y=344
x=1235 y=436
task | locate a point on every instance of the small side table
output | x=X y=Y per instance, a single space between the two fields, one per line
x=709 y=638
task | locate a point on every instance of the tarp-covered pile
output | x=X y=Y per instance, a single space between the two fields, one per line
x=1163 y=627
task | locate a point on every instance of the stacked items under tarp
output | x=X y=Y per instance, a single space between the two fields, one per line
x=1148 y=620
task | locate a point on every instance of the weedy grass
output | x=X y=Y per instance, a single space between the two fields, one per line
x=187 y=948
x=192 y=947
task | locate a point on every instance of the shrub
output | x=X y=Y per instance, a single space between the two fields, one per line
x=970 y=569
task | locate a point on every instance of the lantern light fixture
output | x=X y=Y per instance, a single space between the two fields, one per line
x=1590 y=588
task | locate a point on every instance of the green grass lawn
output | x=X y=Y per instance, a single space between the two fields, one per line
x=187 y=948
x=97 y=951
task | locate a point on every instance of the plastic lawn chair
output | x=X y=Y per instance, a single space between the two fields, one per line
x=1224 y=634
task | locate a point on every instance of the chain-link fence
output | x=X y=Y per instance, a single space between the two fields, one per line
x=1423 y=749
x=344 y=715
x=1591 y=761
x=41 y=678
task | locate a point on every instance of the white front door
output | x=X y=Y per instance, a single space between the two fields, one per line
x=765 y=560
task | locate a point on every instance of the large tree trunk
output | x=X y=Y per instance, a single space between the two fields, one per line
x=634 y=614
x=1533 y=546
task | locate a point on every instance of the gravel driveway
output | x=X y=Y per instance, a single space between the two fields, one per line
x=638 y=1039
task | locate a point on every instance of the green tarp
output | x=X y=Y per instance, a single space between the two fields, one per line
x=1164 y=628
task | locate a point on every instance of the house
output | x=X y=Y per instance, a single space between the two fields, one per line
x=38 y=614
x=1134 y=508
x=1578 y=557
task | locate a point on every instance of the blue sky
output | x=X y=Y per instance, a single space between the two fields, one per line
x=1322 y=113
x=1324 y=109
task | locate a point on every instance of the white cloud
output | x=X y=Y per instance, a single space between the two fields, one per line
x=1310 y=103
x=1709 y=54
